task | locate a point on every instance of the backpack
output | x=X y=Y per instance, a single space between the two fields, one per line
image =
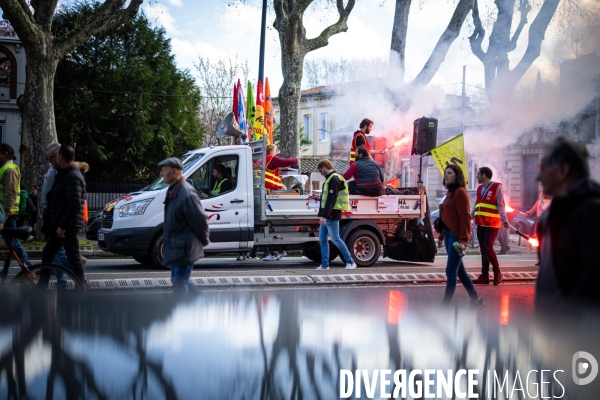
x=26 y=205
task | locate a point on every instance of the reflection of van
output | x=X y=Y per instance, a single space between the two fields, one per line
x=247 y=217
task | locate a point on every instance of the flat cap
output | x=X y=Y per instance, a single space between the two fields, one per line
x=172 y=162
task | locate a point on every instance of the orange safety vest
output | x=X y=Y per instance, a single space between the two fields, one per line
x=486 y=209
x=354 y=146
x=272 y=178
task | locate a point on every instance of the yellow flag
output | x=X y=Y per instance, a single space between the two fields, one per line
x=451 y=152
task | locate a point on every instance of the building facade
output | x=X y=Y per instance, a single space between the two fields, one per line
x=12 y=85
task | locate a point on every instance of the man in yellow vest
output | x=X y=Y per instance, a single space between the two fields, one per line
x=10 y=193
x=489 y=216
x=335 y=199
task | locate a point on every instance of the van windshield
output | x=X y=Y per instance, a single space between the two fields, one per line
x=188 y=161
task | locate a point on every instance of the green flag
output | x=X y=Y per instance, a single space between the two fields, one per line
x=250 y=110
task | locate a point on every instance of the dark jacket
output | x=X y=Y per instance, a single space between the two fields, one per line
x=334 y=187
x=65 y=200
x=573 y=222
x=366 y=172
x=185 y=226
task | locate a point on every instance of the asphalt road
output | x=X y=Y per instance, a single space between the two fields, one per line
x=111 y=268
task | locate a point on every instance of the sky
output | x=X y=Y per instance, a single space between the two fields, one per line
x=214 y=29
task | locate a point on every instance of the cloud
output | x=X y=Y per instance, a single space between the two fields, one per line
x=160 y=14
x=176 y=3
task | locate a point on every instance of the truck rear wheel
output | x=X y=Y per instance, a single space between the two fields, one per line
x=314 y=253
x=157 y=250
x=365 y=247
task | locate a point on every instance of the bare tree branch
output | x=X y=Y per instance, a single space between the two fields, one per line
x=21 y=18
x=438 y=55
x=476 y=39
x=109 y=15
x=537 y=31
x=340 y=26
x=524 y=9
x=399 y=31
x=44 y=10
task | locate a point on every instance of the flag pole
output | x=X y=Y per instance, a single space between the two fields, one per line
x=263 y=27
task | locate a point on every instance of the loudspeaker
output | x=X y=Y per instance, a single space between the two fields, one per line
x=424 y=135
x=230 y=127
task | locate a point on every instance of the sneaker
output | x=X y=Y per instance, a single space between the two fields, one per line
x=482 y=280
x=322 y=268
x=241 y=257
x=87 y=283
x=83 y=261
x=252 y=255
x=477 y=304
x=497 y=279
x=351 y=266
x=281 y=255
x=29 y=239
x=269 y=257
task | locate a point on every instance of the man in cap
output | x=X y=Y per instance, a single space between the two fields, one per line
x=185 y=228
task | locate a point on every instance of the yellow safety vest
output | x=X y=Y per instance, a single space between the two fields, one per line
x=486 y=208
x=343 y=199
x=10 y=165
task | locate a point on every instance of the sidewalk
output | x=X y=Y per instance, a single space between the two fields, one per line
x=524 y=248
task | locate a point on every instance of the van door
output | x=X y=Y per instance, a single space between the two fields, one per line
x=225 y=210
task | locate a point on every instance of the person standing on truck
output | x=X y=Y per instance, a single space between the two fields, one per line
x=368 y=177
x=454 y=213
x=335 y=198
x=274 y=162
x=185 y=227
x=489 y=216
x=360 y=139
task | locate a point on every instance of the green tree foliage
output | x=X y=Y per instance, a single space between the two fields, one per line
x=120 y=99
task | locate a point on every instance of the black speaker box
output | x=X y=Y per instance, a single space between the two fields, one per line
x=424 y=135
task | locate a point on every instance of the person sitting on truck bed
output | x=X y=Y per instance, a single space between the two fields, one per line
x=274 y=162
x=368 y=177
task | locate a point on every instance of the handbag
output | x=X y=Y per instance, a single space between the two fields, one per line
x=439 y=225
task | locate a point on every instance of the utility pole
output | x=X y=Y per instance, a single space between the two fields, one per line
x=263 y=28
x=463 y=101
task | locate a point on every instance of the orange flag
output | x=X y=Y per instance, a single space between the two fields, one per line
x=258 y=128
x=268 y=113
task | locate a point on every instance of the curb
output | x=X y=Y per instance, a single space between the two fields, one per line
x=36 y=252
x=223 y=282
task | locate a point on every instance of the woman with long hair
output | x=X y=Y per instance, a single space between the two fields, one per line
x=456 y=216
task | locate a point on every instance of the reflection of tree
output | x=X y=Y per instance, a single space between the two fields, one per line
x=63 y=313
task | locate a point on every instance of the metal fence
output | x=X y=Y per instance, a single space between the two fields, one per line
x=100 y=193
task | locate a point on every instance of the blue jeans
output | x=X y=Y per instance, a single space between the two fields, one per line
x=454 y=268
x=332 y=229
x=180 y=278
x=11 y=222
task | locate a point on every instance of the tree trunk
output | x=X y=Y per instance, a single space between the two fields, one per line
x=294 y=47
x=39 y=127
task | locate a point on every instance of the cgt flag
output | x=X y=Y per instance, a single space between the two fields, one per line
x=258 y=128
x=451 y=152
x=268 y=113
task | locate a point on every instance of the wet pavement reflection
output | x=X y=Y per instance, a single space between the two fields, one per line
x=290 y=344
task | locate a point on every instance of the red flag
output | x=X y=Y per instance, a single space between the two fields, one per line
x=393 y=182
x=235 y=102
x=268 y=110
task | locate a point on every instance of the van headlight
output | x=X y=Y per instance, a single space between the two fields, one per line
x=135 y=208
